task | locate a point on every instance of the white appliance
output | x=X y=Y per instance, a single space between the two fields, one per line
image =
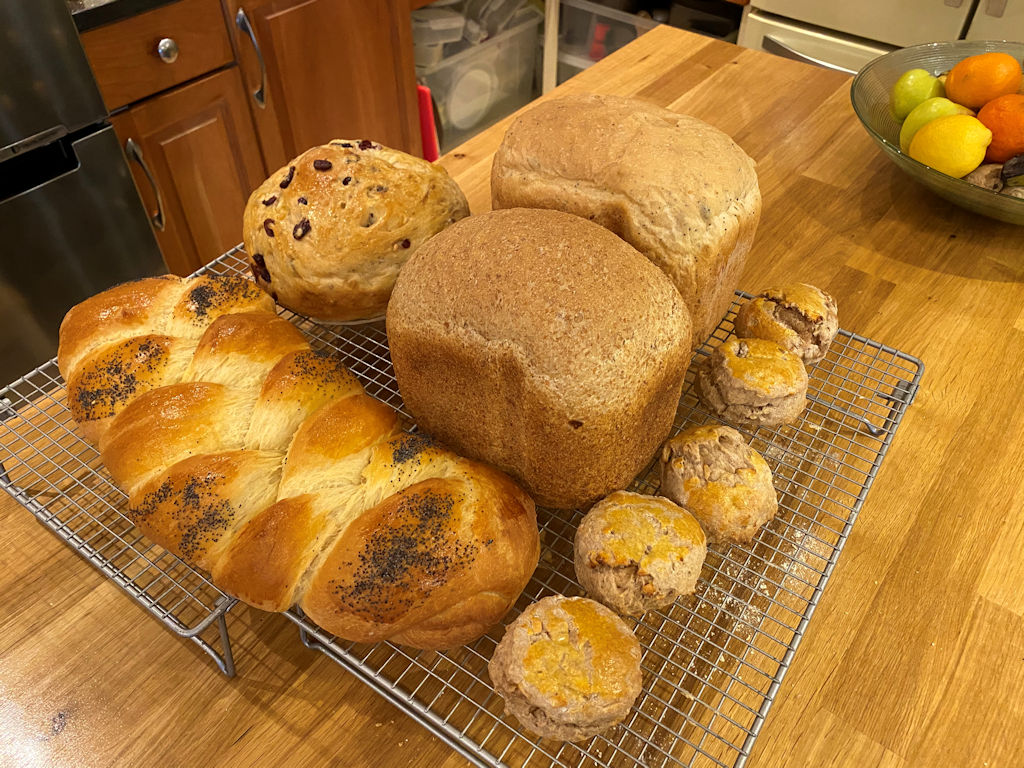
x=845 y=36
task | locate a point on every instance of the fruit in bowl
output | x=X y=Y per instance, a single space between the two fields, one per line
x=870 y=95
x=913 y=87
x=954 y=145
x=1004 y=116
x=945 y=134
x=925 y=112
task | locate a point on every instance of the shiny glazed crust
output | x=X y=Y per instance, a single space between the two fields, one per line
x=726 y=484
x=327 y=233
x=541 y=343
x=635 y=553
x=754 y=382
x=798 y=317
x=568 y=668
x=265 y=463
x=677 y=189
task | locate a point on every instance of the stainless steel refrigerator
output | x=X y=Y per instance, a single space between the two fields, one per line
x=71 y=221
x=847 y=35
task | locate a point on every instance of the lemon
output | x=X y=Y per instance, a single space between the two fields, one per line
x=954 y=145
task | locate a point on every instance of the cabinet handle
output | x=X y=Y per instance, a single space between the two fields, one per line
x=260 y=94
x=167 y=50
x=771 y=45
x=135 y=153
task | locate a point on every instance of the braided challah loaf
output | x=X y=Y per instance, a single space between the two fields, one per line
x=263 y=462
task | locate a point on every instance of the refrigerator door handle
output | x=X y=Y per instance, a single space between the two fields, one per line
x=135 y=153
x=260 y=94
x=995 y=8
x=772 y=45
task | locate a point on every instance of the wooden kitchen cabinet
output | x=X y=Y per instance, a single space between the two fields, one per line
x=198 y=161
x=330 y=69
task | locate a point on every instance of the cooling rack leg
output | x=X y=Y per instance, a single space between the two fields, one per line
x=309 y=641
x=227 y=661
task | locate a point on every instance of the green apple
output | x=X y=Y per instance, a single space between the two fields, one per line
x=925 y=112
x=913 y=87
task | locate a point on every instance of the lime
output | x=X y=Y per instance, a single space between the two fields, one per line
x=924 y=113
x=913 y=87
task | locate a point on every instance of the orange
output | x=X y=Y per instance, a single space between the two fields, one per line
x=1004 y=116
x=978 y=79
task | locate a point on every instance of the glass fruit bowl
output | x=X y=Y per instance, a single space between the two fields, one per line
x=870 y=96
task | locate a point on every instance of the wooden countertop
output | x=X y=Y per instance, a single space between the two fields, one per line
x=915 y=656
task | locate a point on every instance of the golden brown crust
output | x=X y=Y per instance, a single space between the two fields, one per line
x=328 y=233
x=207 y=297
x=753 y=381
x=267 y=558
x=299 y=384
x=240 y=349
x=126 y=310
x=726 y=484
x=568 y=668
x=253 y=457
x=194 y=505
x=109 y=378
x=798 y=317
x=544 y=345
x=162 y=427
x=428 y=564
x=677 y=189
x=635 y=553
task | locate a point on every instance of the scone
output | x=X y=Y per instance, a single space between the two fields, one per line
x=753 y=381
x=635 y=553
x=724 y=482
x=327 y=234
x=798 y=317
x=568 y=668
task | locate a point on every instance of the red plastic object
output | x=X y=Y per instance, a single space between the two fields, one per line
x=428 y=133
x=598 y=49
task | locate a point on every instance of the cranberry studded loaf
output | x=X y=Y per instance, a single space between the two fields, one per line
x=327 y=234
x=541 y=343
x=677 y=189
x=253 y=457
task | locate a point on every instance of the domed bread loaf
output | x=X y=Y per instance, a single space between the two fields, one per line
x=253 y=457
x=541 y=343
x=678 y=190
x=327 y=234
x=568 y=668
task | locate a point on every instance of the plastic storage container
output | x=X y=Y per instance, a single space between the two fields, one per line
x=588 y=32
x=433 y=26
x=478 y=86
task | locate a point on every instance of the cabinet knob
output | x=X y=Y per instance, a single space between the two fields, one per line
x=167 y=50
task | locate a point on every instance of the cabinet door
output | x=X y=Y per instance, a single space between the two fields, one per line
x=197 y=162
x=330 y=69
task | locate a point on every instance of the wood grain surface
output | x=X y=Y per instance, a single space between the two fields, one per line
x=915 y=656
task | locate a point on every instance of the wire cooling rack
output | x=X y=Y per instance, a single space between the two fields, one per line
x=57 y=475
x=712 y=663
